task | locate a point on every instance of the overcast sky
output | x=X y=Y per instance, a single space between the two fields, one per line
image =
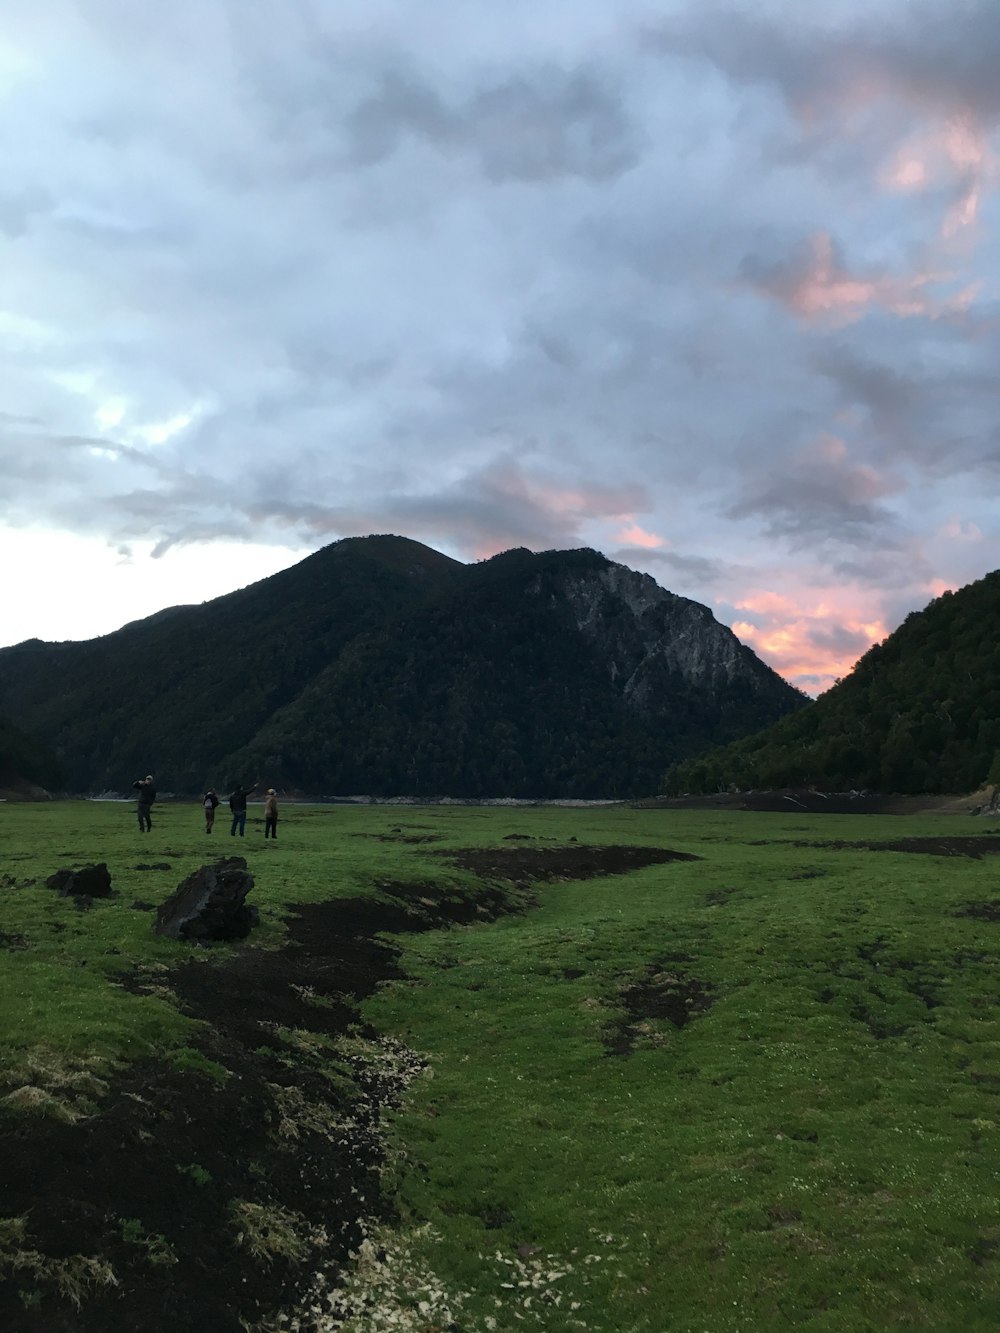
x=710 y=287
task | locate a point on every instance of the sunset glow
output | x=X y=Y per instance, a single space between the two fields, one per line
x=706 y=288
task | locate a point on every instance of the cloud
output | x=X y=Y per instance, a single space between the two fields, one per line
x=823 y=493
x=535 y=127
x=811 y=640
x=717 y=295
x=816 y=285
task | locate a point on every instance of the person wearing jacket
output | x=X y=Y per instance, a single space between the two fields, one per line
x=271 y=814
x=209 y=801
x=144 y=803
x=238 y=805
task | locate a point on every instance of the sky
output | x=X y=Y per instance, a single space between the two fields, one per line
x=711 y=287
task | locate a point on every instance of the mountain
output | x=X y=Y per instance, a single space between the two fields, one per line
x=380 y=666
x=174 y=693
x=919 y=713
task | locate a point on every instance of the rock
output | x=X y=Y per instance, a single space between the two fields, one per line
x=210 y=904
x=88 y=882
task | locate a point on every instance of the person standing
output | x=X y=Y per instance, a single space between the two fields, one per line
x=144 y=804
x=209 y=801
x=238 y=805
x=271 y=814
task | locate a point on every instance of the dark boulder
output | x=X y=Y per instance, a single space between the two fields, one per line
x=88 y=882
x=210 y=904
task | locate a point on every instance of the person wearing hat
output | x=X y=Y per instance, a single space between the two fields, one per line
x=271 y=813
x=147 y=795
x=209 y=801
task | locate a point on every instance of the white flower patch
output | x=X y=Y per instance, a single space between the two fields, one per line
x=389 y=1289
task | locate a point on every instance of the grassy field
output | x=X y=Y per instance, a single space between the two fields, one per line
x=749 y=1091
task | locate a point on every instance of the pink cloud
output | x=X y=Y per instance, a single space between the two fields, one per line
x=771 y=602
x=956 y=530
x=636 y=536
x=938 y=587
x=810 y=641
x=956 y=151
x=823 y=289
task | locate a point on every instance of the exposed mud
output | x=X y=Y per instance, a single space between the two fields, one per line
x=200 y=1191
x=976 y=847
x=986 y=911
x=719 y=897
x=528 y=865
x=396 y=836
x=667 y=991
x=789 y=800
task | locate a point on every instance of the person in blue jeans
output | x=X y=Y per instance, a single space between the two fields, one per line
x=238 y=805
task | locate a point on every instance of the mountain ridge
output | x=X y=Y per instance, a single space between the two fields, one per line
x=380 y=665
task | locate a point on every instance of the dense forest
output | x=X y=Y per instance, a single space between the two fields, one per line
x=178 y=691
x=379 y=666
x=920 y=712
x=493 y=690
x=24 y=758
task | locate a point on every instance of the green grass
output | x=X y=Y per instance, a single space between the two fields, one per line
x=59 y=984
x=771 y=1164
x=817 y=1150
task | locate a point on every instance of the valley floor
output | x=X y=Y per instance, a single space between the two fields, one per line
x=486 y=1069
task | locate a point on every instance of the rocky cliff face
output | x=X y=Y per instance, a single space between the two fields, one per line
x=647 y=635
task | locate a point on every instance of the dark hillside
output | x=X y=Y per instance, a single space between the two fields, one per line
x=380 y=666
x=551 y=675
x=919 y=713
x=174 y=693
x=25 y=763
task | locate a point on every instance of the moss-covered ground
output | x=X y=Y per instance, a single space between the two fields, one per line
x=751 y=1090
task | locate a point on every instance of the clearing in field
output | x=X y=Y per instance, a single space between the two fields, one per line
x=487 y=1069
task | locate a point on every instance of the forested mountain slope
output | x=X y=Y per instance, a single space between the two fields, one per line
x=380 y=666
x=174 y=693
x=560 y=674
x=24 y=761
x=920 y=712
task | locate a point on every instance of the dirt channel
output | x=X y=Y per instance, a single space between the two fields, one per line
x=201 y=1194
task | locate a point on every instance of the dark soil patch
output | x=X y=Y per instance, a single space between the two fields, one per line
x=983 y=1250
x=401 y=837
x=526 y=865
x=791 y=800
x=986 y=911
x=879 y=1025
x=667 y=991
x=719 y=897
x=8 y=882
x=977 y=846
x=818 y=803
x=175 y=1149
